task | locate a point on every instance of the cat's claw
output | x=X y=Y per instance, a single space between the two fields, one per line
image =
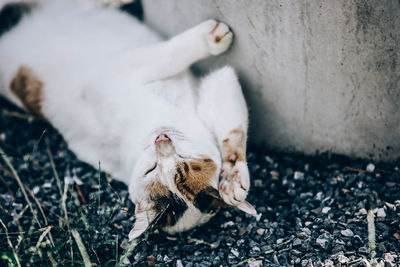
x=219 y=37
x=234 y=184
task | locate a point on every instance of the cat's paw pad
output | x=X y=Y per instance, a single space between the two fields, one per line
x=219 y=38
x=235 y=183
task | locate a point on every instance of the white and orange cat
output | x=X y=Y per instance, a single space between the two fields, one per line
x=122 y=96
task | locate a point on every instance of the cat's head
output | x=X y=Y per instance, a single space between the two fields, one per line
x=174 y=184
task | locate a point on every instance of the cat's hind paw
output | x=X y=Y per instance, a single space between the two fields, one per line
x=219 y=38
x=234 y=183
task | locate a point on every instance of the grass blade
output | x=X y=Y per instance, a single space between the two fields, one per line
x=82 y=248
x=48 y=228
x=10 y=244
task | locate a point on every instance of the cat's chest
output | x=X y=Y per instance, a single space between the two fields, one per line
x=177 y=92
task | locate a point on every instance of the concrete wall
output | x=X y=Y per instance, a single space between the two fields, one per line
x=318 y=75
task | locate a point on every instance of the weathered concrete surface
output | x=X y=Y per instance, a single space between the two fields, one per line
x=318 y=75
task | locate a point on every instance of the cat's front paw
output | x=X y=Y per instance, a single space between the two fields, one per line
x=219 y=37
x=234 y=183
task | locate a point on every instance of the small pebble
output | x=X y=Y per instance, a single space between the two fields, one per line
x=35 y=190
x=258 y=183
x=370 y=167
x=362 y=212
x=301 y=235
x=151 y=260
x=324 y=240
x=347 y=233
x=380 y=213
x=296 y=242
x=227 y=224
x=235 y=252
x=397 y=235
x=47 y=185
x=260 y=231
x=390 y=257
x=343 y=259
x=179 y=263
x=298 y=175
x=318 y=196
x=345 y=191
x=255 y=263
x=274 y=175
x=325 y=210
x=382 y=248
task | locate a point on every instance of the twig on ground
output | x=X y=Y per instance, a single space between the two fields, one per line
x=200 y=241
x=10 y=244
x=78 y=188
x=82 y=248
x=371 y=233
x=356 y=170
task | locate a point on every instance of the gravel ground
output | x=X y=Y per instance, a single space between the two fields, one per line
x=314 y=210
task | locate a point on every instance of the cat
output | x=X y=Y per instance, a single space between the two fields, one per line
x=122 y=96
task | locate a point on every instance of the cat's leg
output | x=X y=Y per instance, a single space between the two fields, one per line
x=173 y=56
x=223 y=109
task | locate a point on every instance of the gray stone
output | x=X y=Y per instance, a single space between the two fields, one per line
x=347 y=233
x=324 y=240
x=317 y=75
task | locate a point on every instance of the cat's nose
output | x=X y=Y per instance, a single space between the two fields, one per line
x=164 y=145
x=162 y=138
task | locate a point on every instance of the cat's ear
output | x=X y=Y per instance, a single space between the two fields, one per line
x=143 y=219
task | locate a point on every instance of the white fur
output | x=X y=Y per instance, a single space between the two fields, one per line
x=111 y=86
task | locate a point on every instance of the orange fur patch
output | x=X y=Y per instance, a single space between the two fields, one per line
x=164 y=201
x=27 y=87
x=157 y=189
x=234 y=147
x=193 y=176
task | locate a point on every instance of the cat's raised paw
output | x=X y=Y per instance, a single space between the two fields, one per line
x=234 y=183
x=219 y=38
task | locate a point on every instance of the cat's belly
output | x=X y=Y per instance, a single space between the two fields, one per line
x=110 y=125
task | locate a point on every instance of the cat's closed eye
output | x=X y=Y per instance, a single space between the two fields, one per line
x=151 y=169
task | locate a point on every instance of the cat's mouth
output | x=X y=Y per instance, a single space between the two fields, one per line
x=164 y=145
